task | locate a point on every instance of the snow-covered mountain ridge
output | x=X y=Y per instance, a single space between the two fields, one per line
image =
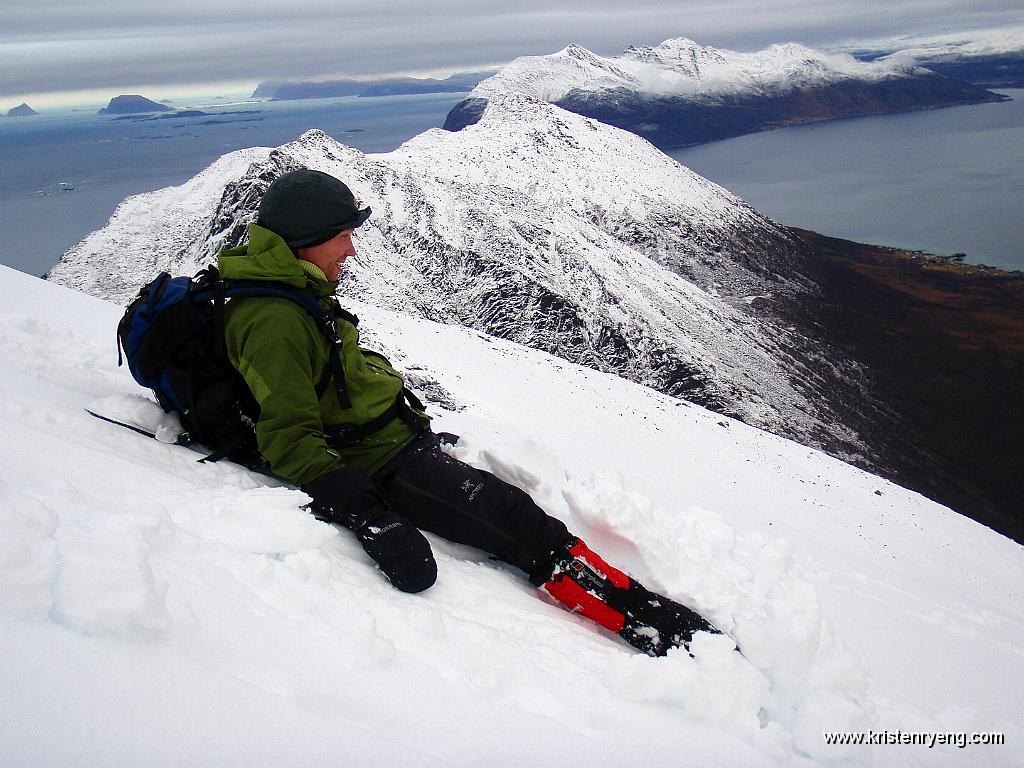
x=680 y=92
x=541 y=227
x=682 y=67
x=169 y=613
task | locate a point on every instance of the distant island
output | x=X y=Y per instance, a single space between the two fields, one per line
x=22 y=110
x=130 y=105
x=395 y=86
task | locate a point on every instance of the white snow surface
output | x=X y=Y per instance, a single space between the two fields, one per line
x=155 y=611
x=682 y=67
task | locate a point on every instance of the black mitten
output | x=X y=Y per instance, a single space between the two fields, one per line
x=399 y=548
x=349 y=497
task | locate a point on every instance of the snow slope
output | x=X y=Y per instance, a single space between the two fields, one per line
x=682 y=67
x=155 y=611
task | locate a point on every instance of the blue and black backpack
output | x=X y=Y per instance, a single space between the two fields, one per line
x=172 y=335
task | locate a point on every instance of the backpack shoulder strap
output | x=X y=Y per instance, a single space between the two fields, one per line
x=210 y=286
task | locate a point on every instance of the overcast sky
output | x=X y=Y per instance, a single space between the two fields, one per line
x=188 y=46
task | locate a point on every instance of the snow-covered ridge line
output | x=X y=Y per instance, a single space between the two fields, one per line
x=682 y=67
x=681 y=93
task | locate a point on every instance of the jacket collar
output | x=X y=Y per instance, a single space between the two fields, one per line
x=266 y=256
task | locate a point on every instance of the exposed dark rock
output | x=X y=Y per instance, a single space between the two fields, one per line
x=239 y=202
x=466 y=112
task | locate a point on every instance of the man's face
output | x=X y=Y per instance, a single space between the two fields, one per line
x=330 y=256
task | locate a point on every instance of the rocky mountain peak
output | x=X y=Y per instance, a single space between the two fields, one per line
x=683 y=67
x=680 y=54
x=576 y=51
x=551 y=77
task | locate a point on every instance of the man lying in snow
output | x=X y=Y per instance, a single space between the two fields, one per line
x=373 y=464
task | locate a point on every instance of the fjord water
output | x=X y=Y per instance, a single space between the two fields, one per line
x=62 y=175
x=944 y=181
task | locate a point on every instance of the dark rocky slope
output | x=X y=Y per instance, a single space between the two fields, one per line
x=943 y=345
x=672 y=122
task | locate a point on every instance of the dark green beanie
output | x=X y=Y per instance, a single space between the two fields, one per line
x=308 y=207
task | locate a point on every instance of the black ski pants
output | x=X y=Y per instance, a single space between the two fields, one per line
x=438 y=493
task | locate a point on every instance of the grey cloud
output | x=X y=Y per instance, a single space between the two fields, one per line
x=62 y=46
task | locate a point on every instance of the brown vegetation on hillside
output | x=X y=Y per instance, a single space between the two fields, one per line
x=944 y=345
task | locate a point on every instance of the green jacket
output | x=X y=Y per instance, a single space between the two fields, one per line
x=278 y=349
